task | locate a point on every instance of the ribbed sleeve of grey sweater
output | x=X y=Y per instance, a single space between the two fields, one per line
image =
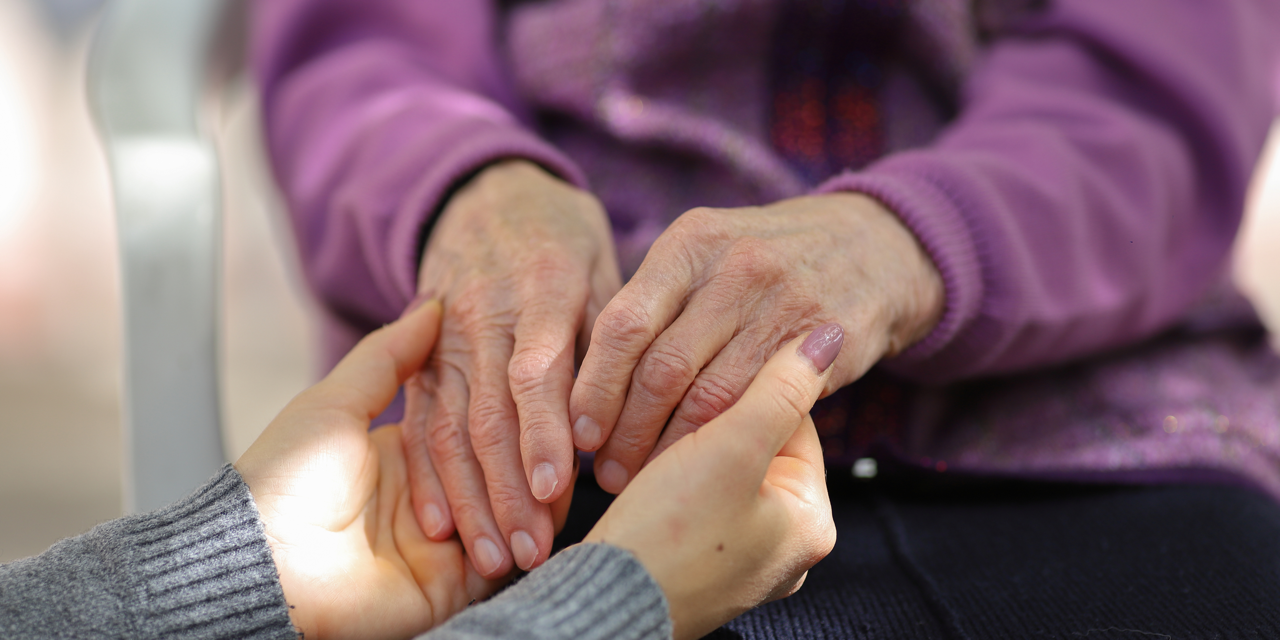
x=586 y=592
x=199 y=568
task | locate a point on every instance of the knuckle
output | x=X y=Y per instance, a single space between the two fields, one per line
x=413 y=437
x=755 y=260
x=529 y=369
x=489 y=439
x=621 y=326
x=487 y=443
x=548 y=267
x=691 y=234
x=666 y=370
x=729 y=296
x=469 y=305
x=626 y=444
x=593 y=387
x=506 y=500
x=820 y=542
x=535 y=434
x=797 y=309
x=791 y=393
x=475 y=311
x=447 y=441
x=826 y=540
x=488 y=413
x=699 y=217
x=710 y=396
x=468 y=514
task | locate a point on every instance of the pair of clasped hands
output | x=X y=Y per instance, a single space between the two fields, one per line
x=525 y=267
x=735 y=323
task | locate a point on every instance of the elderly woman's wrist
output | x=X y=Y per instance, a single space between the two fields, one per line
x=913 y=292
x=923 y=301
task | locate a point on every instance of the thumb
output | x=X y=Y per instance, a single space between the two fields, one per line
x=366 y=380
x=754 y=429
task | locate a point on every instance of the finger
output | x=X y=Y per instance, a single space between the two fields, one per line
x=662 y=377
x=717 y=387
x=621 y=334
x=755 y=428
x=804 y=445
x=560 y=508
x=449 y=446
x=798 y=469
x=430 y=505
x=605 y=284
x=433 y=564
x=495 y=436
x=540 y=375
x=366 y=380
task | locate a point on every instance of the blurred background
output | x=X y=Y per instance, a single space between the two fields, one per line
x=60 y=346
x=60 y=350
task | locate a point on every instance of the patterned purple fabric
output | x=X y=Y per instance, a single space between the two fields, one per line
x=1076 y=173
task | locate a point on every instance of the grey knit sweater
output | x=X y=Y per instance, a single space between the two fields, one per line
x=201 y=568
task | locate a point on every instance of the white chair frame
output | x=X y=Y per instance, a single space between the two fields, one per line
x=152 y=64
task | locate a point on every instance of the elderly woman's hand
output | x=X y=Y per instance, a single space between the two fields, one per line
x=737 y=513
x=523 y=263
x=334 y=500
x=723 y=288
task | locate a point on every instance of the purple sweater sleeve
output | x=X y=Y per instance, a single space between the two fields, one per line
x=374 y=109
x=1091 y=189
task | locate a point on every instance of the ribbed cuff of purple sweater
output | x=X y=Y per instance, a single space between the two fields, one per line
x=936 y=219
x=450 y=156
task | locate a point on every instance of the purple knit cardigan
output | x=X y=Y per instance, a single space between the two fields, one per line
x=1083 y=201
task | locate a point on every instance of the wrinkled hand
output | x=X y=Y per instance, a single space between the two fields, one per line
x=523 y=263
x=736 y=514
x=722 y=289
x=334 y=501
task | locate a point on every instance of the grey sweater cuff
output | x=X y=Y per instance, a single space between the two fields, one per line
x=586 y=592
x=199 y=568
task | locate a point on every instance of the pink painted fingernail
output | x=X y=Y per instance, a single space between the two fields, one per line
x=432 y=520
x=488 y=557
x=612 y=476
x=524 y=549
x=544 y=481
x=823 y=345
x=586 y=433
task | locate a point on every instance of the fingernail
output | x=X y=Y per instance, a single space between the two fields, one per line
x=488 y=558
x=586 y=433
x=524 y=549
x=432 y=520
x=612 y=476
x=422 y=298
x=823 y=345
x=544 y=481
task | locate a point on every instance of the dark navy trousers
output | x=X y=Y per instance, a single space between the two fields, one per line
x=953 y=559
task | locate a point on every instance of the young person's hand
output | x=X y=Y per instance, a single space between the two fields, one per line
x=523 y=263
x=334 y=500
x=737 y=512
x=718 y=292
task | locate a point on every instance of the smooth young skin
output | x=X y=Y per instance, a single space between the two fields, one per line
x=523 y=262
x=736 y=513
x=335 y=502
